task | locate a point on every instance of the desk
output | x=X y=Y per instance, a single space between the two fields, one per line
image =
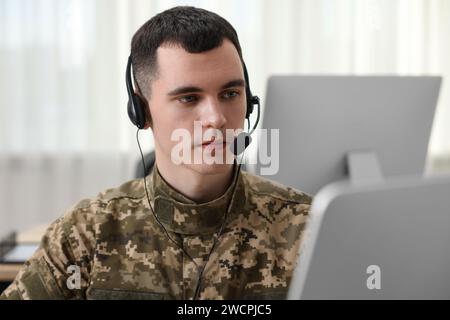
x=27 y=239
x=9 y=271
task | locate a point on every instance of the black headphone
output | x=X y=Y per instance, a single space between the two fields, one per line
x=136 y=107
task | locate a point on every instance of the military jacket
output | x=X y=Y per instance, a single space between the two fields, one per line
x=115 y=246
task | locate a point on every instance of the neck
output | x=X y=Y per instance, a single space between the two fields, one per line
x=197 y=186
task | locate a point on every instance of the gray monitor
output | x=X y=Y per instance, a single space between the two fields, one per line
x=322 y=118
x=382 y=239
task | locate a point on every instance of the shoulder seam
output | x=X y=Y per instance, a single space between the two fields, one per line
x=100 y=201
x=278 y=197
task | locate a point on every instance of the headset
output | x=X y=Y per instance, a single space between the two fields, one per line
x=136 y=107
x=137 y=114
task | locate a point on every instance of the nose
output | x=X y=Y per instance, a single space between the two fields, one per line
x=212 y=114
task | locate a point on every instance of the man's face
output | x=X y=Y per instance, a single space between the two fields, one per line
x=207 y=88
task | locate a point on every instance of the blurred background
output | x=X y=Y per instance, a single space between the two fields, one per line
x=64 y=131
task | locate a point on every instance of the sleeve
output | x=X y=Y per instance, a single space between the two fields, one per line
x=60 y=268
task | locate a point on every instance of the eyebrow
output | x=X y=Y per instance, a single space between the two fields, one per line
x=192 y=89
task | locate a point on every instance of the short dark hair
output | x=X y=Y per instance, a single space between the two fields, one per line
x=195 y=30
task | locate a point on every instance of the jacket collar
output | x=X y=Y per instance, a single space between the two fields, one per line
x=182 y=215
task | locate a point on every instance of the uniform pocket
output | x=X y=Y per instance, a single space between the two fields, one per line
x=38 y=282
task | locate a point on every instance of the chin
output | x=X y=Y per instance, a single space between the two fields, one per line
x=210 y=169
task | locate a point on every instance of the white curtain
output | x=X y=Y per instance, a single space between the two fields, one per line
x=63 y=98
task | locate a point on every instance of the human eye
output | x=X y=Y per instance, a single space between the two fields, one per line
x=187 y=99
x=230 y=94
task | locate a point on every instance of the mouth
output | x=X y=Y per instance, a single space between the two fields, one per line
x=213 y=144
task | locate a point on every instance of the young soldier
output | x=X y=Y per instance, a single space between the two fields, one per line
x=198 y=231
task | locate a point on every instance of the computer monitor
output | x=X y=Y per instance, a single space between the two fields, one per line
x=321 y=118
x=385 y=239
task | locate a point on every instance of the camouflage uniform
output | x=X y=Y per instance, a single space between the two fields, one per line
x=123 y=253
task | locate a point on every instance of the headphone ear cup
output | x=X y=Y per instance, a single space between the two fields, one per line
x=131 y=113
x=249 y=103
x=249 y=110
x=136 y=111
x=254 y=100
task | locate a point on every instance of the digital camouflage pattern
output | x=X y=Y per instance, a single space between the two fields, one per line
x=123 y=253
